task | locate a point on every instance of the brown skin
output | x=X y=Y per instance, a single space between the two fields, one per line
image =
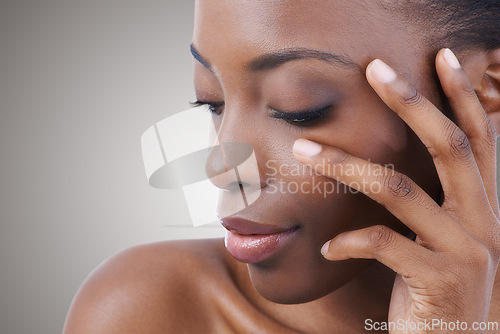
x=304 y=85
x=189 y=287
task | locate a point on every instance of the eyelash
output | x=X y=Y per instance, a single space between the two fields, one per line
x=213 y=107
x=301 y=119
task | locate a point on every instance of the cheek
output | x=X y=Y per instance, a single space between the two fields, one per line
x=366 y=128
x=323 y=207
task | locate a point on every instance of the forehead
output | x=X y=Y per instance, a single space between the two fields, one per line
x=250 y=28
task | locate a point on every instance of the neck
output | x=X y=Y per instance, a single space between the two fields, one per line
x=344 y=310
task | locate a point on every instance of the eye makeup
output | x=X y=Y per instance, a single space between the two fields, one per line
x=301 y=118
x=213 y=107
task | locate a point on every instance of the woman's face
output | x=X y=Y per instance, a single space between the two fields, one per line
x=324 y=49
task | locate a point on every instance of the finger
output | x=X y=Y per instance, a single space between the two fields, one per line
x=397 y=192
x=471 y=118
x=445 y=141
x=383 y=244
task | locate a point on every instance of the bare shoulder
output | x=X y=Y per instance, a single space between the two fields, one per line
x=154 y=288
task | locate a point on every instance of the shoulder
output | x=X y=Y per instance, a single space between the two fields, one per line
x=149 y=289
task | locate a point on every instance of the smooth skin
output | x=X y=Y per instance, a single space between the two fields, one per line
x=448 y=272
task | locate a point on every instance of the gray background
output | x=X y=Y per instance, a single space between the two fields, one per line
x=80 y=81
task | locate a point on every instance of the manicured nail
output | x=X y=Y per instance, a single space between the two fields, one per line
x=382 y=72
x=306 y=148
x=325 y=247
x=451 y=59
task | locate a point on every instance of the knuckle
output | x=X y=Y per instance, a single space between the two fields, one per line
x=467 y=90
x=452 y=279
x=490 y=132
x=494 y=240
x=475 y=255
x=451 y=276
x=400 y=186
x=479 y=257
x=411 y=98
x=338 y=159
x=380 y=237
x=495 y=250
x=459 y=145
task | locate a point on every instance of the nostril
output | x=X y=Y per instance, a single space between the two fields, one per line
x=237 y=186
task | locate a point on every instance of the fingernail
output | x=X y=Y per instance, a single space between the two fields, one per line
x=325 y=247
x=382 y=72
x=451 y=59
x=306 y=148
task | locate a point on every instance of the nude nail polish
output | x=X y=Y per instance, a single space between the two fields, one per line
x=325 y=247
x=382 y=72
x=306 y=148
x=451 y=59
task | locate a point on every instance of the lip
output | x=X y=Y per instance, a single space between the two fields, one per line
x=251 y=242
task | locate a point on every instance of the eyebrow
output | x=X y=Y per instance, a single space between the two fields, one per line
x=269 y=61
x=198 y=57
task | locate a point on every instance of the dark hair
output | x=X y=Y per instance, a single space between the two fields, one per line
x=458 y=24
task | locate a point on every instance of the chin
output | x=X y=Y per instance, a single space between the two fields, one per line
x=303 y=283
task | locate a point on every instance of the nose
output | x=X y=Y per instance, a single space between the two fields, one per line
x=232 y=162
x=232 y=165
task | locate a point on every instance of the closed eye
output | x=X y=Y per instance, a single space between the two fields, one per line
x=301 y=118
x=213 y=107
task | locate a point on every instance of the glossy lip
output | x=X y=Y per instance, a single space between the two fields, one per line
x=248 y=227
x=250 y=242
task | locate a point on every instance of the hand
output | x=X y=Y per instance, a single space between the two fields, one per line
x=447 y=273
